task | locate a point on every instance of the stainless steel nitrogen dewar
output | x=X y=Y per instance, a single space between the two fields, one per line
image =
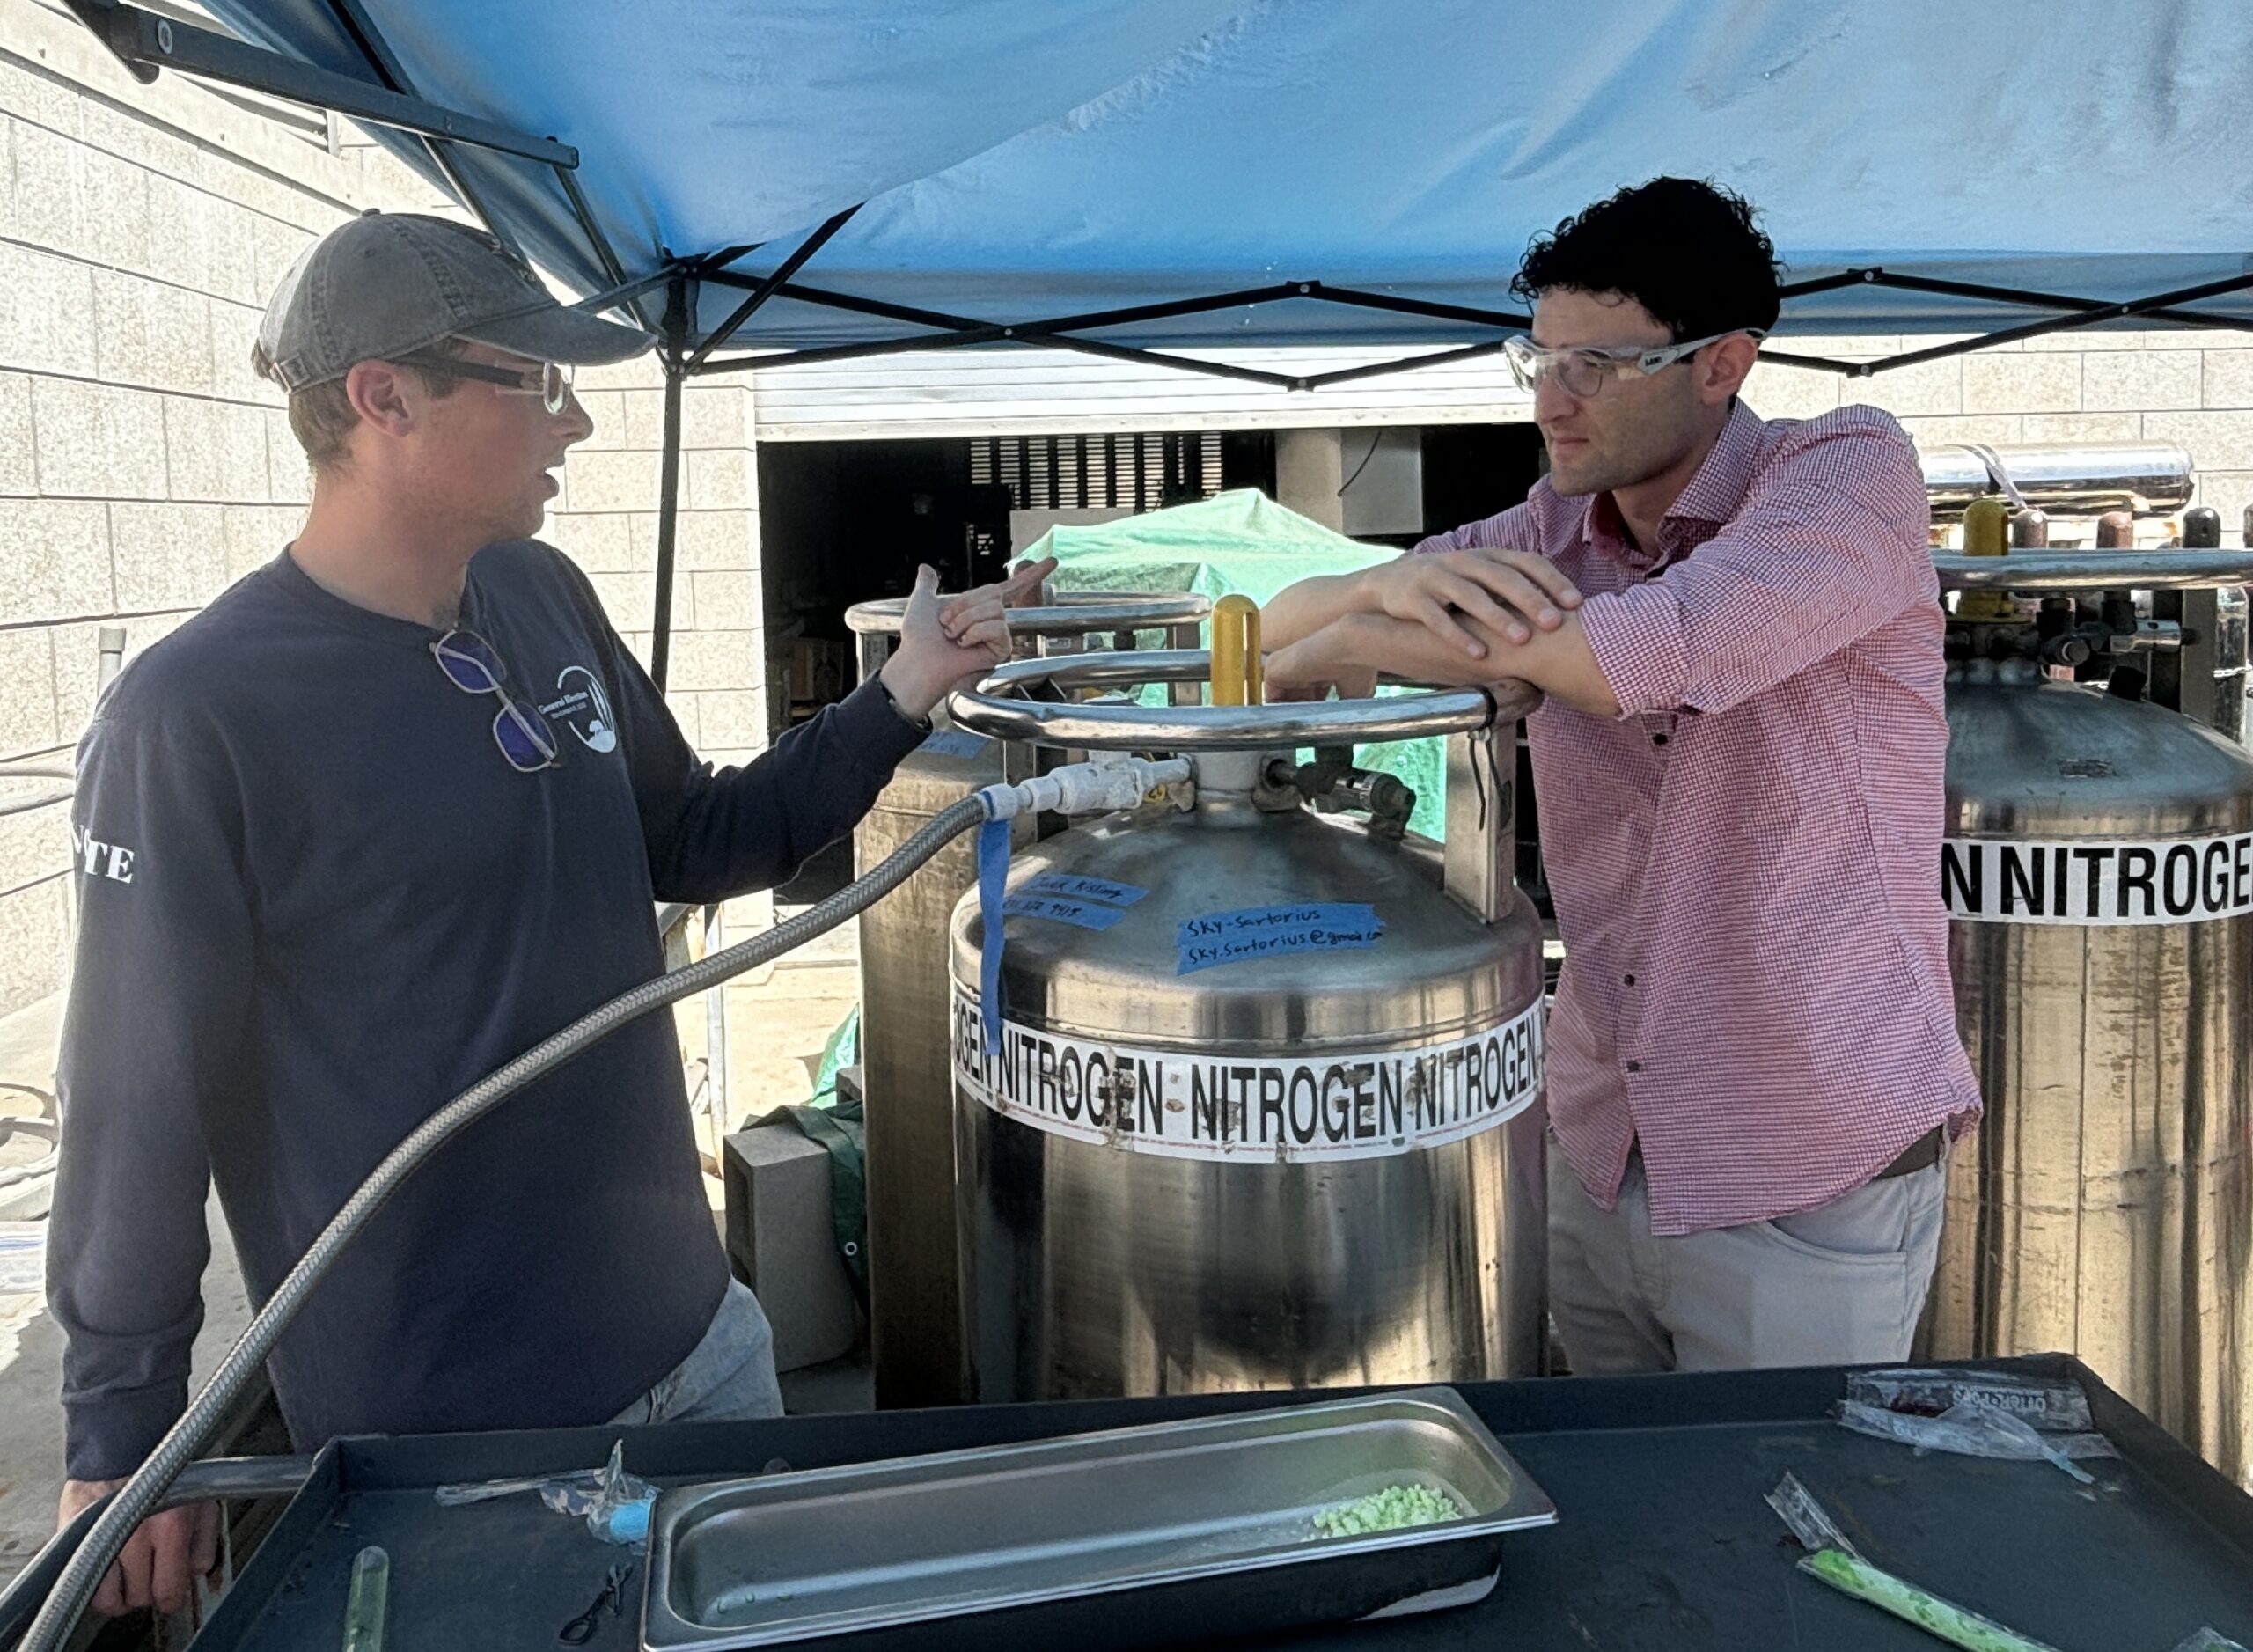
x=915 y=1344
x=1259 y=1107
x=2099 y=868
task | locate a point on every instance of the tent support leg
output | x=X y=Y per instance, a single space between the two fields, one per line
x=669 y=481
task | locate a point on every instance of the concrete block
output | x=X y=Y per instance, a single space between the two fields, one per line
x=605 y=410
x=2083 y=427
x=719 y=480
x=1925 y=390
x=117 y=211
x=1933 y=432
x=19 y=462
x=640 y=373
x=1791 y=393
x=612 y=480
x=2093 y=340
x=54 y=561
x=98 y=441
x=51 y=199
x=717 y=415
x=167 y=556
x=149 y=334
x=246 y=467
x=716 y=541
x=2228 y=380
x=192 y=448
x=27 y=715
x=599 y=542
x=2140 y=381
x=34 y=941
x=253 y=535
x=2007 y=384
x=645 y=421
x=2217 y=440
x=288 y=479
x=234 y=252
x=45 y=99
x=704 y=660
x=728 y=601
x=47 y=312
x=2229 y=491
x=129 y=135
x=780 y=1241
x=731 y=718
x=275 y=246
x=35 y=844
x=234 y=329
x=628 y=598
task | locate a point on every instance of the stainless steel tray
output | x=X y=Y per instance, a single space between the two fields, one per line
x=1209 y=1522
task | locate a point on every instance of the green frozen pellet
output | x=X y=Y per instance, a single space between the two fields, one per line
x=1389 y=1510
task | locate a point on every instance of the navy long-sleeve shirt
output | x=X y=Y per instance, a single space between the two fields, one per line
x=316 y=903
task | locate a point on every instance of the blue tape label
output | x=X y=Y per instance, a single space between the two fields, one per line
x=1087 y=914
x=1077 y=888
x=1257 y=932
x=953 y=743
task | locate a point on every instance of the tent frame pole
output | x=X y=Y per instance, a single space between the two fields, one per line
x=672 y=353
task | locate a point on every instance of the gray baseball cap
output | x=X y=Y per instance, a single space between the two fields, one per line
x=389 y=283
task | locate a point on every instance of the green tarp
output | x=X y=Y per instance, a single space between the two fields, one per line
x=1237 y=543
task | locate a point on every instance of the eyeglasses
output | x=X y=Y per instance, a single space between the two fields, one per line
x=472 y=665
x=551 y=383
x=1583 y=372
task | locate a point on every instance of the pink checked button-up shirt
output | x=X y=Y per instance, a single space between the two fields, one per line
x=1744 y=862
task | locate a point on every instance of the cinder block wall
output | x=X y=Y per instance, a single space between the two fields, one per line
x=144 y=467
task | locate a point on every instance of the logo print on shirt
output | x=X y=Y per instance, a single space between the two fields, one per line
x=96 y=859
x=581 y=706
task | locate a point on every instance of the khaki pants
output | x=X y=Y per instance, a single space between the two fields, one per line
x=1841 y=1284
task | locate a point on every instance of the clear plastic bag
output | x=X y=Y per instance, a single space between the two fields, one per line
x=1971 y=1429
x=2208 y=1640
x=615 y=1504
x=2052 y=1405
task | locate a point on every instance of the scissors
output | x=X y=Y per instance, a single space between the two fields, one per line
x=581 y=1628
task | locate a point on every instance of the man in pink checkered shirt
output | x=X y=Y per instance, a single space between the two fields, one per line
x=1753 y=1064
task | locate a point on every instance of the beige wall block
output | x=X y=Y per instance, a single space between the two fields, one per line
x=2081 y=427
x=715 y=540
x=2011 y=384
x=47 y=312
x=117 y=211
x=628 y=599
x=599 y=544
x=167 y=556
x=252 y=536
x=2227 y=380
x=731 y=718
x=192 y=447
x=182 y=236
x=719 y=480
x=146 y=333
x=611 y=482
x=234 y=329
x=2229 y=491
x=246 y=466
x=1791 y=393
x=35 y=942
x=28 y=711
x=19 y=461
x=51 y=195
x=1926 y=390
x=34 y=845
x=2216 y=441
x=234 y=252
x=705 y=660
x=2092 y=341
x=1934 y=432
x=716 y=416
x=288 y=479
x=2141 y=381
x=644 y=422
x=98 y=441
x=54 y=561
x=33 y=94
x=606 y=409
x=277 y=246
x=728 y=601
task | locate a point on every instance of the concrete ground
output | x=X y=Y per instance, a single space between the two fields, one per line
x=779 y=1019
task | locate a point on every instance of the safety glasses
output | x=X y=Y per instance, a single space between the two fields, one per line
x=1583 y=372
x=523 y=735
x=550 y=381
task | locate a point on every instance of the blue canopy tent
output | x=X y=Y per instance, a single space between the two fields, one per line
x=814 y=178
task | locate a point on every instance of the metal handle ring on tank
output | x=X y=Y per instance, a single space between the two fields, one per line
x=991 y=709
x=1070 y=614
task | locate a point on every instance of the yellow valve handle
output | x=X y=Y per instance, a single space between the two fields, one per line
x=1237 y=671
x=1986 y=533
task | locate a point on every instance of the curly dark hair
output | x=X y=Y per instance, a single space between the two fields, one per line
x=1687 y=250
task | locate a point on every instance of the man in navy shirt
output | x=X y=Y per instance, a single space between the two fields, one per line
x=389 y=811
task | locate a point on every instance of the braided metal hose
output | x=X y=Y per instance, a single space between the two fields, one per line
x=140 y=1495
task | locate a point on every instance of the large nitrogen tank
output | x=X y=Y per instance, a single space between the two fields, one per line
x=1263 y=1112
x=915 y=1316
x=2099 y=867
